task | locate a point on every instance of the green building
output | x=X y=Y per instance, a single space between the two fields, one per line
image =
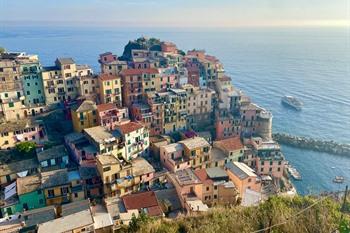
x=32 y=82
x=29 y=196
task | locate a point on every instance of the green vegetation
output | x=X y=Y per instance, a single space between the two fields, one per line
x=325 y=216
x=152 y=44
x=26 y=148
x=181 y=52
x=2 y=50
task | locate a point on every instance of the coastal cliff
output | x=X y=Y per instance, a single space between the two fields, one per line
x=331 y=147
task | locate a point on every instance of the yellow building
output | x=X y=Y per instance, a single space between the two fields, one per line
x=106 y=141
x=84 y=115
x=110 y=89
x=121 y=177
x=199 y=105
x=60 y=81
x=175 y=110
x=61 y=186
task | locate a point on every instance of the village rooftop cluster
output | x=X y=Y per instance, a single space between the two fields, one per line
x=157 y=131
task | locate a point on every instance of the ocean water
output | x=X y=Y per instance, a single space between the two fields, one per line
x=310 y=63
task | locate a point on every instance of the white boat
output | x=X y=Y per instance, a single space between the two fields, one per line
x=292 y=101
x=293 y=172
x=338 y=179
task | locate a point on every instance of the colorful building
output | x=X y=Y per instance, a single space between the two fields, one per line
x=121 y=177
x=232 y=147
x=110 y=64
x=137 y=82
x=84 y=115
x=12 y=133
x=110 y=115
x=110 y=89
x=243 y=177
x=53 y=158
x=60 y=81
x=192 y=152
x=216 y=188
x=136 y=138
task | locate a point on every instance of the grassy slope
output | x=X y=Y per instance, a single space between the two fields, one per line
x=323 y=217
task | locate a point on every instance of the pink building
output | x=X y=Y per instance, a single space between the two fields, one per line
x=107 y=57
x=168 y=78
x=197 y=53
x=226 y=126
x=172 y=157
x=193 y=74
x=110 y=116
x=168 y=47
x=269 y=158
x=81 y=150
x=142 y=113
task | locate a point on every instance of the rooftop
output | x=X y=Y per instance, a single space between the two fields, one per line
x=107 y=159
x=65 y=61
x=17 y=125
x=146 y=201
x=241 y=170
x=54 y=152
x=230 y=144
x=88 y=172
x=19 y=166
x=101 y=135
x=140 y=166
x=28 y=184
x=106 y=77
x=129 y=127
x=75 y=207
x=186 y=177
x=54 y=178
x=216 y=172
x=67 y=223
x=106 y=107
x=37 y=216
x=173 y=147
x=85 y=106
x=194 y=143
x=203 y=176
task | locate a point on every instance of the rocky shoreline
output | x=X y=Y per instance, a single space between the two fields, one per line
x=313 y=144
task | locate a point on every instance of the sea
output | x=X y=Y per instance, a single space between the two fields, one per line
x=312 y=64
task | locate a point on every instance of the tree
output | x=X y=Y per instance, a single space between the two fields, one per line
x=26 y=148
x=2 y=50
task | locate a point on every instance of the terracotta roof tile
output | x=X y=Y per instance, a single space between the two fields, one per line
x=144 y=200
x=106 y=77
x=129 y=127
x=231 y=144
x=203 y=176
x=105 y=107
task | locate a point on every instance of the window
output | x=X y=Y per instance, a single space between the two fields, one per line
x=215 y=197
x=207 y=188
x=11 y=104
x=75 y=195
x=106 y=169
x=64 y=190
x=39 y=192
x=50 y=193
x=249 y=180
x=215 y=187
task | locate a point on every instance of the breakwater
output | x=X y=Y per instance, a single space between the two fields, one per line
x=307 y=143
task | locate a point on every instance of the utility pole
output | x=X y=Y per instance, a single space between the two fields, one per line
x=342 y=210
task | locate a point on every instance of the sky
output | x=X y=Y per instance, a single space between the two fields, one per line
x=177 y=13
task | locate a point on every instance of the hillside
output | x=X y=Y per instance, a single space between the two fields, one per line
x=323 y=216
